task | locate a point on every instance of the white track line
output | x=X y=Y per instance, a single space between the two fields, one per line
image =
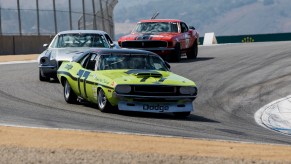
x=276 y=116
x=18 y=62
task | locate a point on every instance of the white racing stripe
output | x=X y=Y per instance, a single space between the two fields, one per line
x=276 y=115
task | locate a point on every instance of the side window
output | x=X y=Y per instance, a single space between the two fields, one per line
x=101 y=63
x=91 y=62
x=174 y=27
x=84 y=61
x=108 y=39
x=103 y=42
x=156 y=63
x=184 y=27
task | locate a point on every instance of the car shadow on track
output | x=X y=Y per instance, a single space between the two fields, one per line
x=166 y=116
x=198 y=59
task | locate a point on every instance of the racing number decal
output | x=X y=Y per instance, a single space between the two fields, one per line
x=80 y=74
x=85 y=74
x=144 y=79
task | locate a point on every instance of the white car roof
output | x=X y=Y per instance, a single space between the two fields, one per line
x=82 y=31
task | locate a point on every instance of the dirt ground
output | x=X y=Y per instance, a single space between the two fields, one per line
x=7 y=58
x=33 y=145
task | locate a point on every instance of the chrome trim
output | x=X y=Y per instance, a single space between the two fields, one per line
x=158 y=107
x=46 y=66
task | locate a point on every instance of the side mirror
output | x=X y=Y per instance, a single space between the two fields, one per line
x=192 y=27
x=168 y=65
x=45 y=45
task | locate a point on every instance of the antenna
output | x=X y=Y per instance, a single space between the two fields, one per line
x=155 y=15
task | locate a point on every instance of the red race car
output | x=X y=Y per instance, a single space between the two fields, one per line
x=167 y=37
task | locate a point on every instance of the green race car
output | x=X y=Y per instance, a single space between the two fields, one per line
x=132 y=80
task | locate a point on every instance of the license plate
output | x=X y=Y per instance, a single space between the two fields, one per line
x=155 y=107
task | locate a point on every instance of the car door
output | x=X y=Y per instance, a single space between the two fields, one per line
x=84 y=75
x=185 y=36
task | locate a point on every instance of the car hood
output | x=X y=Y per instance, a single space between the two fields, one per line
x=65 y=54
x=148 y=36
x=146 y=77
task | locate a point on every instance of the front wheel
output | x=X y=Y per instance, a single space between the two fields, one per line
x=176 y=56
x=43 y=78
x=103 y=104
x=193 y=52
x=181 y=114
x=69 y=95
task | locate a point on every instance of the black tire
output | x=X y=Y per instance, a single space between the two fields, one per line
x=43 y=78
x=193 y=52
x=176 y=56
x=102 y=102
x=69 y=95
x=181 y=114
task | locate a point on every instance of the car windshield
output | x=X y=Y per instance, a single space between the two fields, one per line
x=156 y=27
x=80 y=40
x=131 y=61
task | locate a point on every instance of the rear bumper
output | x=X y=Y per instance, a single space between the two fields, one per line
x=155 y=104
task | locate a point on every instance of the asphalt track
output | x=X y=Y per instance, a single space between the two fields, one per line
x=234 y=81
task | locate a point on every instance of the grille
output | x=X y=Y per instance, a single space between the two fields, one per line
x=144 y=44
x=154 y=90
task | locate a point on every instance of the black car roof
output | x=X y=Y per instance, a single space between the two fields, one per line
x=120 y=50
x=115 y=51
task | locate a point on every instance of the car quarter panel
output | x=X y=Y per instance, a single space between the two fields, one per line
x=69 y=71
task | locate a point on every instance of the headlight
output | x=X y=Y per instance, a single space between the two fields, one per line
x=188 y=90
x=123 y=89
x=44 y=60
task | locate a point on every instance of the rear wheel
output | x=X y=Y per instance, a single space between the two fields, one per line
x=43 y=78
x=181 y=114
x=193 y=52
x=103 y=103
x=69 y=94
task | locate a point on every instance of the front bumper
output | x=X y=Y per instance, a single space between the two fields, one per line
x=48 y=70
x=157 y=49
x=155 y=107
x=155 y=104
x=162 y=51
